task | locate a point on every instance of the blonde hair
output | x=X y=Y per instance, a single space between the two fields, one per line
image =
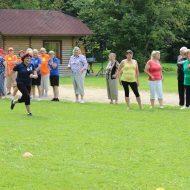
x=154 y=53
x=51 y=52
x=42 y=49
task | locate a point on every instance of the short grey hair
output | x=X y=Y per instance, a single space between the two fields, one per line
x=35 y=51
x=183 y=48
x=112 y=55
x=76 y=48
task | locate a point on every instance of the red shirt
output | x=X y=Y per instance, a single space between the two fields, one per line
x=155 y=70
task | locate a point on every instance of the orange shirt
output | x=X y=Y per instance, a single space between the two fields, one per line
x=19 y=60
x=9 y=59
x=44 y=69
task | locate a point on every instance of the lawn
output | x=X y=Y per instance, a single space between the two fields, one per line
x=93 y=147
x=169 y=84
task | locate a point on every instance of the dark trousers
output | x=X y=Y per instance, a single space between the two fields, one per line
x=187 y=90
x=181 y=92
x=133 y=86
x=25 y=90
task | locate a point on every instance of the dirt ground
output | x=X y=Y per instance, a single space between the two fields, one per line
x=100 y=95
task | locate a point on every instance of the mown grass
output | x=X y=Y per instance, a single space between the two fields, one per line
x=169 y=83
x=93 y=146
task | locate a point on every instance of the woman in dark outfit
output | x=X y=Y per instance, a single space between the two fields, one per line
x=25 y=72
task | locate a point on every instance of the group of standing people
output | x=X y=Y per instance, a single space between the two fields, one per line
x=33 y=68
x=127 y=72
x=183 y=71
x=25 y=72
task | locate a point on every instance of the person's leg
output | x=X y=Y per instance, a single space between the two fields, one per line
x=108 y=91
x=159 y=92
x=8 y=84
x=134 y=88
x=46 y=82
x=181 y=92
x=42 y=84
x=187 y=89
x=39 y=91
x=113 y=84
x=80 y=86
x=75 y=87
x=2 y=84
x=33 y=91
x=23 y=89
x=126 y=89
x=152 y=93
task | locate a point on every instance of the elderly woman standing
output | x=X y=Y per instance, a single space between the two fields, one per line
x=128 y=74
x=54 y=75
x=44 y=70
x=111 y=78
x=78 y=65
x=154 y=70
x=180 y=76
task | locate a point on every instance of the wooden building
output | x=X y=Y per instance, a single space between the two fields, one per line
x=53 y=30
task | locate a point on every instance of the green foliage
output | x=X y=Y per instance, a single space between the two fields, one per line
x=139 y=25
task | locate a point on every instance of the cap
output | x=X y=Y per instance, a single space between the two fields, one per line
x=129 y=51
x=2 y=51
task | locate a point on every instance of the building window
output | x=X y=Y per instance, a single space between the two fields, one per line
x=54 y=45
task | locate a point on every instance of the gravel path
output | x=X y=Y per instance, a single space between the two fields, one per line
x=100 y=95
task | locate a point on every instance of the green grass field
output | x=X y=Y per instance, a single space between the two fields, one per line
x=93 y=147
x=169 y=84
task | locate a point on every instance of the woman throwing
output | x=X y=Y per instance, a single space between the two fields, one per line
x=25 y=73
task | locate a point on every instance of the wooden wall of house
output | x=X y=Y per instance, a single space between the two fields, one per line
x=23 y=43
x=1 y=41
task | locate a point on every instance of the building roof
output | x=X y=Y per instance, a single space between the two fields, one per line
x=40 y=23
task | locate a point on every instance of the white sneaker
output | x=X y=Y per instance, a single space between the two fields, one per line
x=82 y=101
x=184 y=107
x=161 y=107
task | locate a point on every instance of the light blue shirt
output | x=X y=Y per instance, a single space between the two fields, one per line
x=77 y=63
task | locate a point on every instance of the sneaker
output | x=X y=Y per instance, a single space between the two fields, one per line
x=82 y=101
x=76 y=101
x=57 y=99
x=53 y=99
x=161 y=107
x=29 y=114
x=12 y=104
x=184 y=107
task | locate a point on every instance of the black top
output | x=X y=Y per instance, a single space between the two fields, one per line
x=24 y=71
x=180 y=73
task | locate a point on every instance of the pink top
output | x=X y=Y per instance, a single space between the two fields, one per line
x=155 y=70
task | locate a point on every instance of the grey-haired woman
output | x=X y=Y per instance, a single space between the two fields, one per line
x=111 y=78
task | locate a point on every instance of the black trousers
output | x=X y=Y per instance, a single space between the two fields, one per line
x=133 y=86
x=25 y=90
x=181 y=92
x=187 y=90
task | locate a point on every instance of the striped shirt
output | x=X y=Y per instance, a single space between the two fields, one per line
x=77 y=63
